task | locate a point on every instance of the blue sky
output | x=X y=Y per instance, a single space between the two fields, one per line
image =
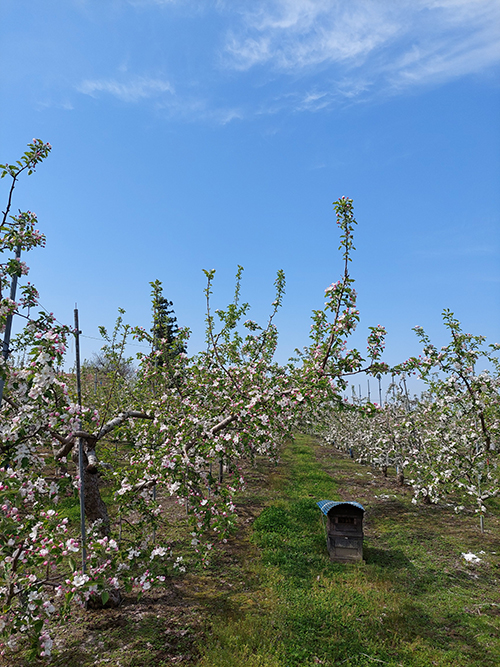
x=210 y=133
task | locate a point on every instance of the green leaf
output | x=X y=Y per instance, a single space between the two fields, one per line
x=104 y=597
x=72 y=565
x=38 y=625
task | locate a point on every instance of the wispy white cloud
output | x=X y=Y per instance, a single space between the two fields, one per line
x=392 y=44
x=292 y=34
x=186 y=106
x=431 y=62
x=315 y=54
x=65 y=105
x=192 y=108
x=131 y=90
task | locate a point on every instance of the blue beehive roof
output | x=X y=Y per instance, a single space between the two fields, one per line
x=326 y=505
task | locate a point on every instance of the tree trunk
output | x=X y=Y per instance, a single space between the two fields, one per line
x=426 y=499
x=95 y=507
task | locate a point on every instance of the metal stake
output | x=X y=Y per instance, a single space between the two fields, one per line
x=8 y=324
x=154 y=529
x=81 y=471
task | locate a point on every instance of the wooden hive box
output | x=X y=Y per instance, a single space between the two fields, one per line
x=344 y=530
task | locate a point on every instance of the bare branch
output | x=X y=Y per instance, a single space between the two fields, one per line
x=10 y=401
x=222 y=425
x=67 y=444
x=15 y=561
x=146 y=484
x=118 y=421
x=69 y=441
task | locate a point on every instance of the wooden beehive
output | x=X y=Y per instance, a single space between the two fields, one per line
x=344 y=530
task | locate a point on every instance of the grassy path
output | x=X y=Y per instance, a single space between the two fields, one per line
x=414 y=601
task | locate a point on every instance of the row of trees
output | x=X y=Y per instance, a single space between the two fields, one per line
x=160 y=432
x=446 y=442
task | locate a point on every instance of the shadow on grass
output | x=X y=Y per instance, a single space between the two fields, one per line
x=447 y=634
x=146 y=642
x=386 y=558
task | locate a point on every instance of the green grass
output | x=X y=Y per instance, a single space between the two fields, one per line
x=413 y=602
